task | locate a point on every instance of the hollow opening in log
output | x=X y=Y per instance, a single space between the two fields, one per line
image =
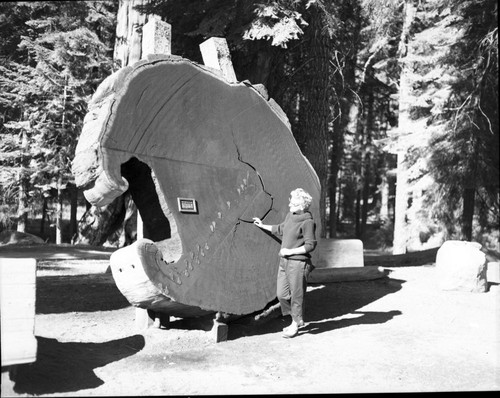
x=158 y=223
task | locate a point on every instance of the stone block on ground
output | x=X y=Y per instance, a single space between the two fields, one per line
x=461 y=266
x=17 y=302
x=334 y=253
x=493 y=272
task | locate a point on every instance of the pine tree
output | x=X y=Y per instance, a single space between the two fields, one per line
x=60 y=62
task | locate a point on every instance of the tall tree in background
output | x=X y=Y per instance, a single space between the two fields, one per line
x=462 y=116
x=111 y=224
x=371 y=112
x=334 y=68
x=57 y=63
x=400 y=233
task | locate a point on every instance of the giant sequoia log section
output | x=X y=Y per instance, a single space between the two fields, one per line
x=167 y=128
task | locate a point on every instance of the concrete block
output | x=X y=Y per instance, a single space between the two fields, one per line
x=334 y=253
x=17 y=310
x=493 y=272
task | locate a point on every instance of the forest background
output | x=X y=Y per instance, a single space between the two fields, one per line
x=394 y=103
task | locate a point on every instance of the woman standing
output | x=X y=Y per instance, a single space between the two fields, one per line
x=298 y=240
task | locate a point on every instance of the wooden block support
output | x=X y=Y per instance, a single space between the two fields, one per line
x=156 y=37
x=144 y=320
x=220 y=331
x=335 y=253
x=17 y=302
x=215 y=53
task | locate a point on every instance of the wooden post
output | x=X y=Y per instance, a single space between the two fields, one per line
x=147 y=318
x=156 y=37
x=142 y=320
x=215 y=53
x=220 y=328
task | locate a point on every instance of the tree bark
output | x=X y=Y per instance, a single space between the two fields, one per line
x=22 y=211
x=468 y=213
x=315 y=115
x=98 y=223
x=400 y=225
x=73 y=224
x=384 y=199
x=129 y=23
x=44 y=216
x=59 y=211
x=367 y=162
x=22 y=214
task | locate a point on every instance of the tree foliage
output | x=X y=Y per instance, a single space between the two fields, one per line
x=454 y=163
x=50 y=67
x=335 y=69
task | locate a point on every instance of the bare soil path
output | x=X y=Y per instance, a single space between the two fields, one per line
x=396 y=334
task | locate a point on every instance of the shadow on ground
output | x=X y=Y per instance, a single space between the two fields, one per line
x=324 y=302
x=78 y=293
x=65 y=367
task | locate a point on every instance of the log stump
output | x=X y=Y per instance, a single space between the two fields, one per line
x=201 y=156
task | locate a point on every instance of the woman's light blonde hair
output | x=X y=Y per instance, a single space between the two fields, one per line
x=303 y=196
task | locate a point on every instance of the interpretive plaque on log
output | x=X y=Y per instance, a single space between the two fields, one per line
x=187 y=205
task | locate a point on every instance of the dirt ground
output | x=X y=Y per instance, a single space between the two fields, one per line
x=400 y=333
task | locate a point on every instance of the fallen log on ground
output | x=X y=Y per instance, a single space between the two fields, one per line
x=200 y=157
x=410 y=259
x=346 y=274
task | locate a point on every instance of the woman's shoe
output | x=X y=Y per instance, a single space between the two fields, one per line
x=291 y=331
x=301 y=323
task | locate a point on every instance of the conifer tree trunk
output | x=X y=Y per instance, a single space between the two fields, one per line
x=384 y=199
x=468 y=213
x=128 y=45
x=22 y=210
x=73 y=192
x=59 y=211
x=44 y=216
x=22 y=215
x=400 y=230
x=367 y=162
x=316 y=107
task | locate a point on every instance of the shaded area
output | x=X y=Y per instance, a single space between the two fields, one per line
x=323 y=303
x=142 y=188
x=78 y=293
x=63 y=367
